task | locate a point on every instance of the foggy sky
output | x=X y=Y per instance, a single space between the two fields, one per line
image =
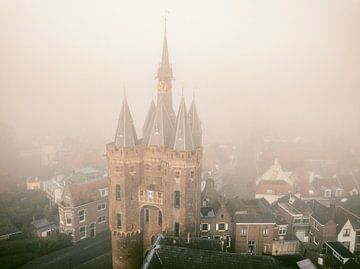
x=284 y=67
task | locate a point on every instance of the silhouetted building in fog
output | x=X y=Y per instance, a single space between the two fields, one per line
x=154 y=181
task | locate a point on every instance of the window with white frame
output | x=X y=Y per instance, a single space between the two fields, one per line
x=101 y=206
x=243 y=231
x=221 y=226
x=82 y=232
x=297 y=220
x=346 y=232
x=205 y=227
x=266 y=232
x=305 y=219
x=68 y=219
x=101 y=219
x=81 y=215
x=282 y=230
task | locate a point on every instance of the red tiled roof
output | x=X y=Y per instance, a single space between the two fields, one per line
x=278 y=187
x=83 y=193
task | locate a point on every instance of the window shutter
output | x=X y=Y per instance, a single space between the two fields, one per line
x=209 y=227
x=217 y=227
x=226 y=227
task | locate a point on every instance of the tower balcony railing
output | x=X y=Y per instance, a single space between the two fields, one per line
x=149 y=196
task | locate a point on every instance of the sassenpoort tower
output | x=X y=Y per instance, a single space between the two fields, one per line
x=155 y=180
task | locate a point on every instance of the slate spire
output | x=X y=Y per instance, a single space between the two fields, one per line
x=125 y=133
x=182 y=138
x=160 y=127
x=165 y=77
x=195 y=124
x=149 y=118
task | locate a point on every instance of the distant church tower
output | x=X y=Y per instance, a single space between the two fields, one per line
x=155 y=180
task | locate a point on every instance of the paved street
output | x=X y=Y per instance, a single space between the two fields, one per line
x=87 y=251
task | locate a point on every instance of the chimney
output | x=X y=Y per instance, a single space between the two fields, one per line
x=332 y=210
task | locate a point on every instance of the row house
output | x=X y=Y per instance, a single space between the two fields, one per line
x=216 y=222
x=322 y=223
x=83 y=210
x=246 y=226
x=296 y=213
x=348 y=223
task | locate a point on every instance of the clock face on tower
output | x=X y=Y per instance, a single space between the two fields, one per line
x=162 y=87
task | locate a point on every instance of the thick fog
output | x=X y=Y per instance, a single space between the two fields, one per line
x=280 y=68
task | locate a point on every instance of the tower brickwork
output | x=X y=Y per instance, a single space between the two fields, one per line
x=154 y=182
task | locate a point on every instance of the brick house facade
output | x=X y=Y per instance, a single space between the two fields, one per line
x=83 y=210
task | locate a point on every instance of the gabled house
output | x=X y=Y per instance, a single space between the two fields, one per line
x=83 y=210
x=322 y=223
x=274 y=183
x=348 y=220
x=215 y=220
x=296 y=213
x=254 y=225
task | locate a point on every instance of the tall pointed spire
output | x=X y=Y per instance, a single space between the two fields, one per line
x=125 y=133
x=195 y=124
x=165 y=77
x=182 y=138
x=160 y=128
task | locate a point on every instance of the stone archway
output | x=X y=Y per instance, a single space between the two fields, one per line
x=151 y=223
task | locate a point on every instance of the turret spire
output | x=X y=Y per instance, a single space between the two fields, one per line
x=195 y=124
x=125 y=133
x=160 y=127
x=182 y=138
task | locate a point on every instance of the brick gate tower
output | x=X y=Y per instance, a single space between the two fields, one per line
x=154 y=181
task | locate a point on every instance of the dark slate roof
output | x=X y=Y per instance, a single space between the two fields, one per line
x=351 y=204
x=170 y=257
x=320 y=212
x=209 y=194
x=348 y=182
x=296 y=203
x=254 y=218
x=340 y=249
x=43 y=225
x=207 y=212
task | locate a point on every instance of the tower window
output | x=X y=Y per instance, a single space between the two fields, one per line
x=177 y=199
x=118 y=192
x=118 y=220
x=160 y=218
x=176 y=229
x=147 y=216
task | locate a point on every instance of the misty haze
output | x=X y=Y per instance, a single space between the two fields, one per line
x=180 y=134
